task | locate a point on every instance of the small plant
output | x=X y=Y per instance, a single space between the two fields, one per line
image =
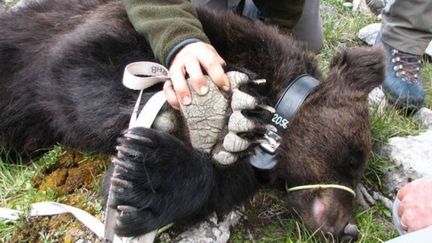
x=392 y=123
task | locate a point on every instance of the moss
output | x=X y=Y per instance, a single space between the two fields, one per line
x=72 y=171
x=61 y=228
x=74 y=178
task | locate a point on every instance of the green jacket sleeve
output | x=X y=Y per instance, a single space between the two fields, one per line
x=166 y=24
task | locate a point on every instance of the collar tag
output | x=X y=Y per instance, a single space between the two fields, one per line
x=271 y=140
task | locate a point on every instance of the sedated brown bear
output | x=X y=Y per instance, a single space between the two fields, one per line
x=60 y=78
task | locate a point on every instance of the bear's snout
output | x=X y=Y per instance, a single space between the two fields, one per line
x=350 y=233
x=329 y=212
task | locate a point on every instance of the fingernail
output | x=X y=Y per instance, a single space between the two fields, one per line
x=226 y=87
x=186 y=100
x=203 y=90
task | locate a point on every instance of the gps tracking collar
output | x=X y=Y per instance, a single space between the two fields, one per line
x=286 y=108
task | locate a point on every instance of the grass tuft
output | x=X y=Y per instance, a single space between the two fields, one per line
x=392 y=123
x=427 y=81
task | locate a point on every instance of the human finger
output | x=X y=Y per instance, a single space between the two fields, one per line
x=177 y=74
x=409 y=219
x=404 y=227
x=197 y=79
x=403 y=191
x=214 y=68
x=171 y=95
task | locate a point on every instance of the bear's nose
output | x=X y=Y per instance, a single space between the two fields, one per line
x=350 y=233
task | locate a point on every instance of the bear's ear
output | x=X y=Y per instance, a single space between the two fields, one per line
x=359 y=69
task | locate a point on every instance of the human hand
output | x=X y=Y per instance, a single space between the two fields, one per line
x=415 y=207
x=191 y=60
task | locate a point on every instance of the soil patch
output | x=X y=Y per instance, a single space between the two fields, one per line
x=75 y=180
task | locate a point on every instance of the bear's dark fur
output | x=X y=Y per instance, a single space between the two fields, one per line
x=60 y=79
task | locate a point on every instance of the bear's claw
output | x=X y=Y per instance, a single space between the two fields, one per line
x=146 y=166
x=241 y=102
x=239 y=123
x=233 y=143
x=237 y=79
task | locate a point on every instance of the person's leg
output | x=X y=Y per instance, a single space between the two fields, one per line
x=250 y=10
x=309 y=28
x=406 y=32
x=407 y=25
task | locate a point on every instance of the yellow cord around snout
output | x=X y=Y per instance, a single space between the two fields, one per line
x=320 y=186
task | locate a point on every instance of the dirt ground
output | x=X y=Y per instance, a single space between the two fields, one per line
x=74 y=180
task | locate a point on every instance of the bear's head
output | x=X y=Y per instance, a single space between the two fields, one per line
x=328 y=142
x=329 y=139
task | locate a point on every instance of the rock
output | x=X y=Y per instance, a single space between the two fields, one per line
x=377 y=102
x=210 y=231
x=376 y=6
x=412 y=157
x=347 y=4
x=327 y=10
x=369 y=33
x=22 y=3
x=376 y=97
x=429 y=49
x=2 y=6
x=368 y=7
x=361 y=6
x=424 y=118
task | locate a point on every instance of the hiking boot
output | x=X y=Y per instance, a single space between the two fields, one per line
x=402 y=84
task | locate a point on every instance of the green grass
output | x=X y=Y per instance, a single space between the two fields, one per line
x=427 y=82
x=16 y=189
x=392 y=123
x=375 y=225
x=340 y=29
x=268 y=221
x=15 y=178
x=372 y=177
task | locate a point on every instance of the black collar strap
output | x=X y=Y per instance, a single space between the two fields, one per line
x=286 y=108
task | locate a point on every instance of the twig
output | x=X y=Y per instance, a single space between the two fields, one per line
x=250 y=236
x=387 y=202
x=361 y=200
x=366 y=194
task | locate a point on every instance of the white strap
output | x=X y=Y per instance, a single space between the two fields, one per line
x=132 y=78
x=137 y=76
x=149 y=112
x=54 y=208
x=141 y=75
x=10 y=214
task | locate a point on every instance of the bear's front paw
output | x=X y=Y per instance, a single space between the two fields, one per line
x=247 y=122
x=156 y=180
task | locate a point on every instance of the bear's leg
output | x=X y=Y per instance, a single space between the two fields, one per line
x=158 y=180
